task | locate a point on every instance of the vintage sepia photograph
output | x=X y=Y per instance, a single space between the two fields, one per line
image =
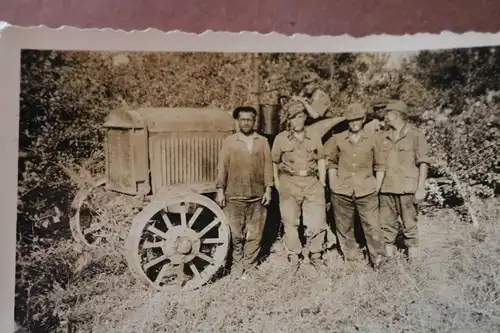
x=258 y=191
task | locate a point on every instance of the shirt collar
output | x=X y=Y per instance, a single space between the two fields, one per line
x=243 y=137
x=391 y=132
x=363 y=133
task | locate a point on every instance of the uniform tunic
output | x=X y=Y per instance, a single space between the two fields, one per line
x=404 y=156
x=355 y=189
x=300 y=190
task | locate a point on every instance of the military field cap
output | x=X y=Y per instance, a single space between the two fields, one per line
x=355 y=111
x=310 y=77
x=397 y=106
x=294 y=108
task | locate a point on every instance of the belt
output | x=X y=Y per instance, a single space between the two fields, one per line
x=300 y=173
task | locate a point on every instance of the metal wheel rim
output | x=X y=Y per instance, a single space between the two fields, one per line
x=143 y=218
x=74 y=222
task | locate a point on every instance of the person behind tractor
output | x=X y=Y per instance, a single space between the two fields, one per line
x=299 y=176
x=316 y=102
x=244 y=182
x=353 y=156
x=404 y=184
x=376 y=118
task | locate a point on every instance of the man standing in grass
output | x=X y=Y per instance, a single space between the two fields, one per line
x=353 y=156
x=318 y=106
x=404 y=184
x=244 y=181
x=299 y=176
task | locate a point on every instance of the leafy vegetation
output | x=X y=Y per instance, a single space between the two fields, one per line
x=65 y=96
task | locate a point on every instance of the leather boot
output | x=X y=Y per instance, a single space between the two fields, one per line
x=317 y=261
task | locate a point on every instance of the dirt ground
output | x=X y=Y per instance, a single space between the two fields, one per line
x=454 y=287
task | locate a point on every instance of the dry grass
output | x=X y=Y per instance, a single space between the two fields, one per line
x=455 y=287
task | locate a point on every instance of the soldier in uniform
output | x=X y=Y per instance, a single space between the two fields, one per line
x=404 y=184
x=353 y=156
x=244 y=182
x=316 y=102
x=299 y=175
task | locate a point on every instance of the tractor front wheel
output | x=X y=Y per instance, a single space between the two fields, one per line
x=182 y=247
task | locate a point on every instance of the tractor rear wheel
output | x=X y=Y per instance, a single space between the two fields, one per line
x=99 y=216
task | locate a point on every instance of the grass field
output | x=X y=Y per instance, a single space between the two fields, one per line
x=454 y=287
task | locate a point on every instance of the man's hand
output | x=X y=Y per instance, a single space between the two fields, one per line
x=220 y=198
x=299 y=99
x=323 y=182
x=380 y=180
x=332 y=176
x=266 y=198
x=419 y=196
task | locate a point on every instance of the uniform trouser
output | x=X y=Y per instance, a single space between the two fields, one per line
x=344 y=208
x=304 y=195
x=392 y=206
x=246 y=221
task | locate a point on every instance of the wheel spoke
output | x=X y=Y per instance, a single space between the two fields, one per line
x=195 y=271
x=94 y=227
x=166 y=219
x=208 y=227
x=183 y=219
x=212 y=241
x=155 y=261
x=157 y=232
x=195 y=216
x=205 y=257
x=90 y=206
x=151 y=245
x=94 y=213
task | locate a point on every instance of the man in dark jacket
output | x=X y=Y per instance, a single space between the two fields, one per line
x=244 y=182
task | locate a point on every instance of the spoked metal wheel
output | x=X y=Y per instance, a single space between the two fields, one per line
x=96 y=212
x=178 y=243
x=84 y=222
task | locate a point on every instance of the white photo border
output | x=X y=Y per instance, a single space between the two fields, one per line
x=13 y=39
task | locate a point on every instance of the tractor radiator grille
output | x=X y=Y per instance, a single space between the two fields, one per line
x=184 y=159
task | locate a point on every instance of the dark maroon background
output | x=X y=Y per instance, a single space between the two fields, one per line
x=314 y=17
